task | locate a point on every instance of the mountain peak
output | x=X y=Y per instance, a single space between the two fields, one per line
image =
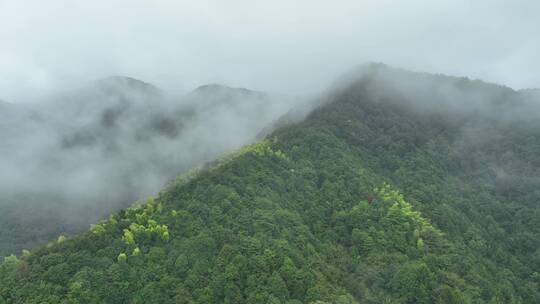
x=219 y=88
x=125 y=82
x=423 y=91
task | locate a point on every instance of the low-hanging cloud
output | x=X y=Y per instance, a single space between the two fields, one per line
x=79 y=156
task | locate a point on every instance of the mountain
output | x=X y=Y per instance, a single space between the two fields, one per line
x=211 y=89
x=214 y=94
x=86 y=153
x=400 y=187
x=217 y=99
x=119 y=84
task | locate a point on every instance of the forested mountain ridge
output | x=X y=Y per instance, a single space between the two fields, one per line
x=401 y=188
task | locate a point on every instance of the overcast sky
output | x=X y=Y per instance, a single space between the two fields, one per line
x=293 y=47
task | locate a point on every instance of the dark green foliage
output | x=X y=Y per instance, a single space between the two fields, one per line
x=313 y=214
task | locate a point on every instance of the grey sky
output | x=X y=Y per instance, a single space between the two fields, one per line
x=281 y=46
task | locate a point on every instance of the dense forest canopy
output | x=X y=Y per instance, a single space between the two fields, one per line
x=400 y=187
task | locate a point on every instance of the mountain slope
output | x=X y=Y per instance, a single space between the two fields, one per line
x=371 y=199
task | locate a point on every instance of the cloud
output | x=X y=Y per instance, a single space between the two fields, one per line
x=75 y=158
x=284 y=46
